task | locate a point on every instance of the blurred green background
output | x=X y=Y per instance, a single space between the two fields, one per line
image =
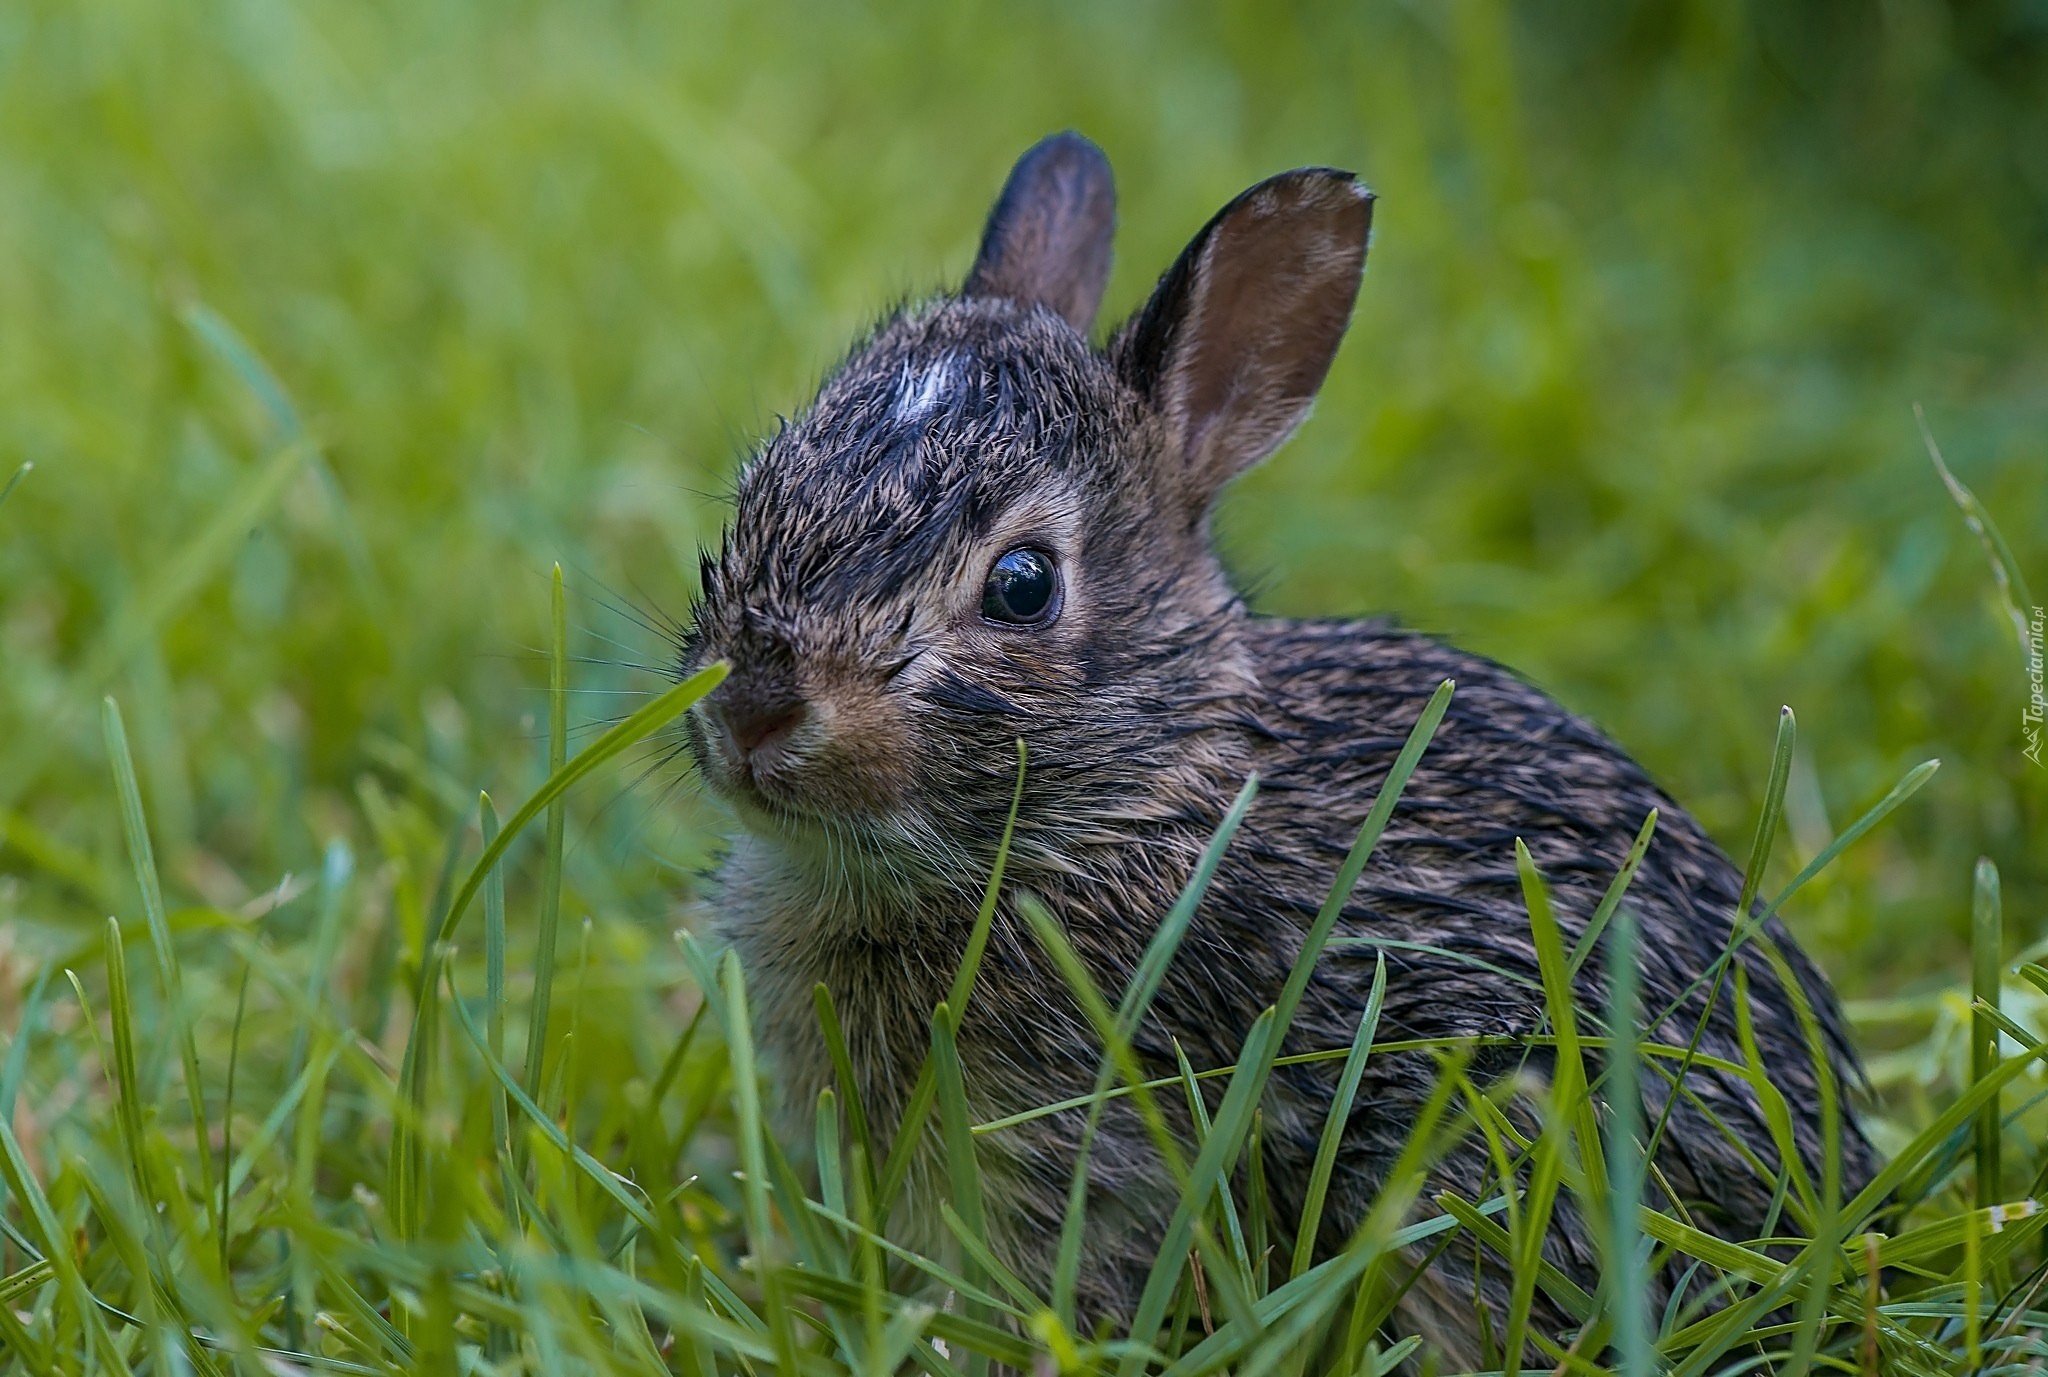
x=1627 y=403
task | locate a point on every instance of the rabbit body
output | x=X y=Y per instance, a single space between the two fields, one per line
x=867 y=596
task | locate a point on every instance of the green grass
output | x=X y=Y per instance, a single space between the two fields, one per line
x=330 y=331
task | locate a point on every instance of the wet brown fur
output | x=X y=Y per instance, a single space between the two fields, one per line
x=849 y=586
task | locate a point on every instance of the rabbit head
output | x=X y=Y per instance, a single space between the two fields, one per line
x=985 y=528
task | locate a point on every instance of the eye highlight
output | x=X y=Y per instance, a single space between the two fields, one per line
x=1023 y=589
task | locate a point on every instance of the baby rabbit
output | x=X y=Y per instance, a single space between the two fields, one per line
x=985 y=528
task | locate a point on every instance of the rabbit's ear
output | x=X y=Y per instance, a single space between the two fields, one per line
x=1047 y=239
x=1241 y=330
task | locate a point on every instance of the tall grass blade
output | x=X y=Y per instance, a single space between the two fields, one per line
x=1233 y=1225
x=1355 y=861
x=2005 y=569
x=1131 y=1010
x=1255 y=1064
x=1212 y=1165
x=1908 y=785
x=962 y=1173
x=546 y=936
x=21 y=472
x=1617 y=890
x=1773 y=810
x=746 y=1094
x=910 y=1130
x=647 y=719
x=502 y=1141
x=227 y=1121
x=1760 y=847
x=54 y=1244
x=1339 y=1117
x=1567 y=1120
x=337 y=865
x=655 y=715
x=169 y=978
x=1626 y=1263
x=1987 y=946
x=127 y=1076
x=849 y=1090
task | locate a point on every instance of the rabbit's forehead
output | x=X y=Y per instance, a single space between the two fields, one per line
x=967 y=383
x=928 y=439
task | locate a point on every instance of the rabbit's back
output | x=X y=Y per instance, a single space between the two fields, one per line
x=1442 y=900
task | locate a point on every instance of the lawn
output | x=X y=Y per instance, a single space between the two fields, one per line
x=329 y=332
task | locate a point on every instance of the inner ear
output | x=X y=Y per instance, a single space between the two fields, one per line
x=1047 y=240
x=1240 y=333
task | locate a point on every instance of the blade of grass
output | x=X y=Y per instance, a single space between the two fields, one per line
x=1767 y=820
x=1628 y=1301
x=917 y=1109
x=1760 y=847
x=1219 y=1155
x=227 y=1121
x=655 y=715
x=1026 y=1301
x=1987 y=944
x=494 y=944
x=497 y=1340
x=1617 y=890
x=2005 y=570
x=1131 y=1010
x=647 y=719
x=337 y=865
x=962 y=1173
x=7 y=490
x=127 y=1077
x=169 y=978
x=55 y=1245
x=1572 y=1297
x=1336 y=1120
x=547 y=934
x=1813 y=1307
x=1198 y=1113
x=825 y=1144
x=849 y=1090
x=746 y=1094
x=1908 y=785
x=1566 y=1122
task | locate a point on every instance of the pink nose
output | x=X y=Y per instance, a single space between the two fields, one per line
x=757 y=725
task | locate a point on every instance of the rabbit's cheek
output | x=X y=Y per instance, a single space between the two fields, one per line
x=847 y=757
x=863 y=764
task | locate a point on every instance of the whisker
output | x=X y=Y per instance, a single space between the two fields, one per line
x=641 y=778
x=604 y=692
x=644 y=615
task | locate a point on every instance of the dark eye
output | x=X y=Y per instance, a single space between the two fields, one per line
x=1023 y=589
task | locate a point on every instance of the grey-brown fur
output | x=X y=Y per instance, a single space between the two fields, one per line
x=865 y=739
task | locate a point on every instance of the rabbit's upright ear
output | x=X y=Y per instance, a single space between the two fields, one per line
x=1047 y=239
x=1240 y=332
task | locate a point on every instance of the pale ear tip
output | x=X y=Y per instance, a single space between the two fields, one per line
x=1337 y=182
x=1070 y=138
x=1068 y=145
